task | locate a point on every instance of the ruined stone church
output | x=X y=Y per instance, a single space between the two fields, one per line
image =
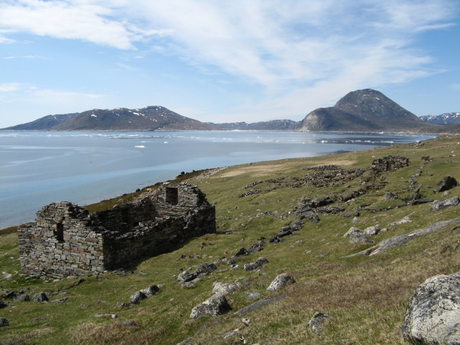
x=67 y=240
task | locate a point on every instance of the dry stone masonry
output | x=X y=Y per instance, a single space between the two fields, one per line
x=67 y=240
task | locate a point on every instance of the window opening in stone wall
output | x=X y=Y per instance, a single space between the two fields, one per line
x=59 y=232
x=172 y=195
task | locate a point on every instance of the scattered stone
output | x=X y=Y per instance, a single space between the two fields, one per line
x=359 y=238
x=390 y=196
x=186 y=277
x=231 y=262
x=21 y=298
x=372 y=230
x=137 y=297
x=61 y=300
x=128 y=323
x=446 y=183
x=256 y=247
x=316 y=321
x=404 y=220
x=441 y=204
x=246 y=321
x=351 y=231
x=123 y=305
x=7 y=275
x=242 y=252
x=216 y=305
x=252 y=296
x=257 y=305
x=4 y=322
x=150 y=291
x=201 y=271
x=254 y=265
x=231 y=333
x=3 y=305
x=397 y=241
x=280 y=282
x=110 y=316
x=40 y=297
x=206 y=268
x=225 y=288
x=433 y=313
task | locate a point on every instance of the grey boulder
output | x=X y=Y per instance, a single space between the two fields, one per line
x=216 y=305
x=433 y=314
x=441 y=204
x=280 y=282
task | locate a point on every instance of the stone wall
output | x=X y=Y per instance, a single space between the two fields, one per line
x=66 y=240
x=62 y=242
x=389 y=163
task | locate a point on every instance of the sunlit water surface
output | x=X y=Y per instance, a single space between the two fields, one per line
x=37 y=168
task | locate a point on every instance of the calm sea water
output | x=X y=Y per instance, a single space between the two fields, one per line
x=37 y=168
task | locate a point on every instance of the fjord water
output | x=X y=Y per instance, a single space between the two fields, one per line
x=37 y=168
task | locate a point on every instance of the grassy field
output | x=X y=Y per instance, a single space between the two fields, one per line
x=365 y=296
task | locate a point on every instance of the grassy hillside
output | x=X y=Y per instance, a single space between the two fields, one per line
x=365 y=296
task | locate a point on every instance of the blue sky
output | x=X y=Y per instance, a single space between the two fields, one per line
x=222 y=61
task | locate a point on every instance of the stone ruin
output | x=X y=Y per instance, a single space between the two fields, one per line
x=67 y=240
x=389 y=163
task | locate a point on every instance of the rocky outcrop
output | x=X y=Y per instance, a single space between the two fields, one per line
x=397 y=241
x=433 y=314
x=216 y=305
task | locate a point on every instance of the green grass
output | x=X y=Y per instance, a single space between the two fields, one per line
x=366 y=297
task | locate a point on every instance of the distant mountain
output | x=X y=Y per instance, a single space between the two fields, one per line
x=153 y=118
x=274 y=125
x=44 y=123
x=443 y=119
x=363 y=110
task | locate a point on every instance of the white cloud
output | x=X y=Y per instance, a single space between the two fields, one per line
x=5 y=40
x=83 y=20
x=10 y=87
x=303 y=54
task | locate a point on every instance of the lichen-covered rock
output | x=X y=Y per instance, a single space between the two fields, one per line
x=40 y=297
x=359 y=238
x=254 y=265
x=316 y=321
x=280 y=282
x=216 y=305
x=137 y=297
x=433 y=314
x=21 y=298
x=441 y=204
x=206 y=268
x=351 y=231
x=150 y=291
x=372 y=230
x=225 y=288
